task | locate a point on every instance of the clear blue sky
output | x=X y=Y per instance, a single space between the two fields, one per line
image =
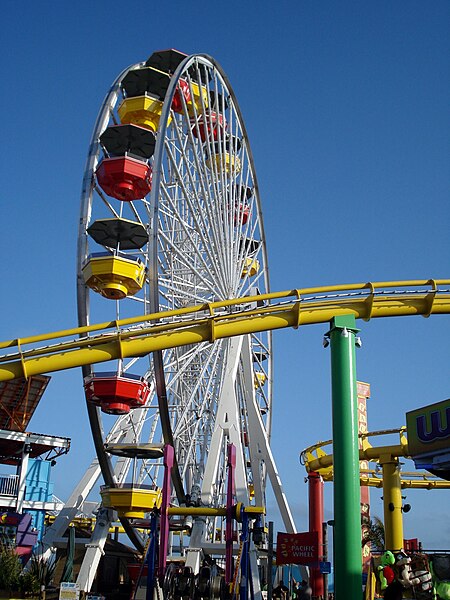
x=346 y=106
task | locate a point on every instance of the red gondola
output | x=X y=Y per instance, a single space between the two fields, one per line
x=116 y=394
x=124 y=178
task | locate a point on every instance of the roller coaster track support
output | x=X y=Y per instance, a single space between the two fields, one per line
x=392 y=502
x=316 y=518
x=392 y=480
x=347 y=569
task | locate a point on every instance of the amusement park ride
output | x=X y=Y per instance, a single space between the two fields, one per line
x=172 y=264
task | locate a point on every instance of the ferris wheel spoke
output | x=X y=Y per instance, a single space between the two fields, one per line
x=247 y=284
x=186 y=289
x=193 y=411
x=215 y=218
x=199 y=213
x=183 y=250
x=177 y=298
x=195 y=228
x=195 y=414
x=136 y=213
x=204 y=379
x=183 y=266
x=182 y=359
x=106 y=202
x=225 y=219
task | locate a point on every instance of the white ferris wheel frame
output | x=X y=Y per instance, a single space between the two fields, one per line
x=237 y=393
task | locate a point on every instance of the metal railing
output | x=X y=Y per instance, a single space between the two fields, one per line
x=9 y=485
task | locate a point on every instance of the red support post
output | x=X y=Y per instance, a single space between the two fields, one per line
x=315 y=494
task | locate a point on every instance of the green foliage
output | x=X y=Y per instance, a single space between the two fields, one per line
x=10 y=568
x=41 y=571
x=29 y=584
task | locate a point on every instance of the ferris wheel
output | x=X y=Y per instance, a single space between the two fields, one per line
x=171 y=219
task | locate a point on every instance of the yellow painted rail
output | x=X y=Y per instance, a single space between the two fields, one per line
x=138 y=336
x=412 y=481
x=314 y=458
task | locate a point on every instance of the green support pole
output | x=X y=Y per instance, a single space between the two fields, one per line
x=347 y=509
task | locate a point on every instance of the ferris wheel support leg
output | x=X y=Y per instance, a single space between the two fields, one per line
x=263 y=452
x=72 y=507
x=94 y=550
x=75 y=502
x=260 y=449
x=227 y=423
x=260 y=452
x=347 y=509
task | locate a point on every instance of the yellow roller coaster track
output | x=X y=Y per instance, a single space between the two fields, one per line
x=314 y=458
x=141 y=335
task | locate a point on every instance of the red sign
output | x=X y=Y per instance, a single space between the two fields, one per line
x=411 y=545
x=298 y=548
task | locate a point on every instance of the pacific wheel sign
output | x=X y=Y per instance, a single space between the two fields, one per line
x=298 y=548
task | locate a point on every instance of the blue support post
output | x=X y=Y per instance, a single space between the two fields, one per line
x=151 y=556
x=245 y=559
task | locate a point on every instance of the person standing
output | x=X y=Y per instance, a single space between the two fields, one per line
x=281 y=592
x=305 y=592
